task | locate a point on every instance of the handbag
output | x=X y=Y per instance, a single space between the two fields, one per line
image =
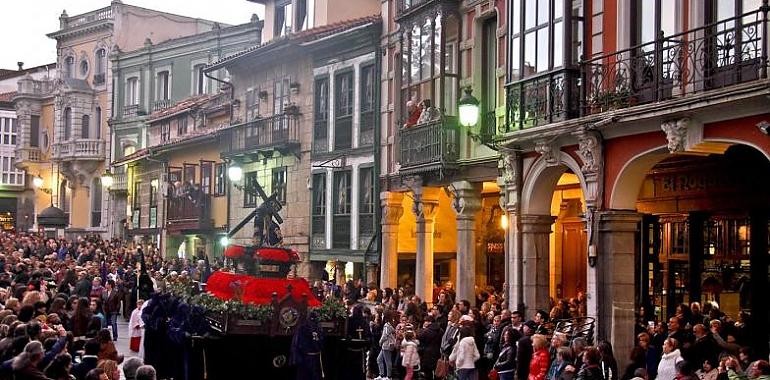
x=493 y=375
x=443 y=367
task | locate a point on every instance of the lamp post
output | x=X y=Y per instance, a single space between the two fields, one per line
x=107 y=179
x=235 y=172
x=468 y=108
x=37 y=181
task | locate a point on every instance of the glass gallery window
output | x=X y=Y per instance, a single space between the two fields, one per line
x=429 y=62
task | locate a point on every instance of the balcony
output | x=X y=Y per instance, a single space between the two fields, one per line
x=279 y=132
x=87 y=18
x=26 y=157
x=119 y=181
x=701 y=60
x=405 y=8
x=78 y=150
x=189 y=213
x=132 y=111
x=430 y=147
x=161 y=104
x=99 y=79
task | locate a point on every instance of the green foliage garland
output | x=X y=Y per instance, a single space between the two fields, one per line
x=331 y=309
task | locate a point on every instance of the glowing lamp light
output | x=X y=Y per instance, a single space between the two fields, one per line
x=468 y=109
x=224 y=241
x=235 y=173
x=154 y=183
x=107 y=179
x=37 y=181
x=504 y=221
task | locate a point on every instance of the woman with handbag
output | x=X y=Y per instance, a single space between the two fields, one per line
x=505 y=366
x=464 y=355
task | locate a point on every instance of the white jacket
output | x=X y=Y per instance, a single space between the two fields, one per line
x=464 y=354
x=409 y=358
x=667 y=365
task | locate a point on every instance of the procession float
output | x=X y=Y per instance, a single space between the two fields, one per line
x=253 y=319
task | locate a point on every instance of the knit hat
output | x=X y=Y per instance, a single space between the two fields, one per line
x=531 y=324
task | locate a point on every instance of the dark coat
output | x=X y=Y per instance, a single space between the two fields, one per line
x=30 y=372
x=704 y=348
x=83 y=288
x=593 y=372
x=506 y=361
x=112 y=301
x=81 y=369
x=430 y=346
x=523 y=357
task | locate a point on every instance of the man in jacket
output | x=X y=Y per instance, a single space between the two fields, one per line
x=524 y=350
x=430 y=346
x=111 y=304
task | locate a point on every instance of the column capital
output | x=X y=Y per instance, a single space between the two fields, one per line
x=510 y=176
x=426 y=203
x=392 y=207
x=467 y=201
x=591 y=155
x=536 y=223
x=619 y=220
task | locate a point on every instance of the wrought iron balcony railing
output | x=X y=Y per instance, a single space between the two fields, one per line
x=273 y=132
x=714 y=56
x=431 y=146
x=80 y=149
x=407 y=7
x=132 y=110
x=161 y=104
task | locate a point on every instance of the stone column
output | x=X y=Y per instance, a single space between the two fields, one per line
x=592 y=167
x=425 y=208
x=509 y=182
x=535 y=248
x=339 y=272
x=391 y=213
x=466 y=204
x=615 y=263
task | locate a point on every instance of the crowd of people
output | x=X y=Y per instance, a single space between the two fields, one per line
x=60 y=301
x=482 y=339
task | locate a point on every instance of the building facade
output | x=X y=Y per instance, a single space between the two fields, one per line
x=655 y=113
x=152 y=83
x=75 y=153
x=271 y=138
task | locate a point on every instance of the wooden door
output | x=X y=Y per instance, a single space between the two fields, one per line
x=574 y=258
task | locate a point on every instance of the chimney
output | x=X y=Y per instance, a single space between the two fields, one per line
x=21 y=65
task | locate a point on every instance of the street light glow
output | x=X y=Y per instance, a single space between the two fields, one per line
x=107 y=179
x=235 y=172
x=468 y=109
x=224 y=241
x=37 y=181
x=504 y=221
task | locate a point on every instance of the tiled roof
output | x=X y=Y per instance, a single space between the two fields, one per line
x=305 y=36
x=6 y=97
x=176 y=142
x=180 y=107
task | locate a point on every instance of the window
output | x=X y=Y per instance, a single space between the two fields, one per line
x=305 y=14
x=65 y=198
x=101 y=62
x=162 y=86
x=69 y=67
x=341 y=210
x=367 y=106
x=281 y=98
x=199 y=80
x=153 y=192
x=181 y=126
x=98 y=123
x=8 y=129
x=252 y=104
x=206 y=172
x=343 y=123
x=67 y=123
x=86 y=120
x=189 y=173
x=366 y=204
x=96 y=202
x=219 y=179
x=34 y=131
x=654 y=15
x=249 y=197
x=165 y=132
x=321 y=115
x=10 y=175
x=278 y=184
x=136 y=203
x=132 y=91
x=83 y=68
x=283 y=18
x=318 y=211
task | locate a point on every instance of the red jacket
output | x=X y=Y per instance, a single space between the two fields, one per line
x=538 y=366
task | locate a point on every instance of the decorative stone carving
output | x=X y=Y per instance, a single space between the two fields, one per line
x=391 y=212
x=676 y=134
x=589 y=149
x=508 y=166
x=549 y=153
x=467 y=199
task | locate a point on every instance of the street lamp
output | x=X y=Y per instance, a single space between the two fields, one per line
x=235 y=172
x=107 y=179
x=37 y=181
x=468 y=108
